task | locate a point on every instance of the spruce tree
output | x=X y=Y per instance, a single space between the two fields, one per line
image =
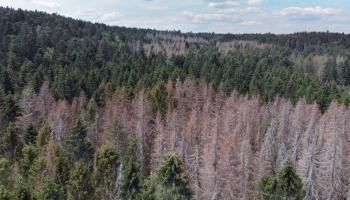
x=4 y=193
x=61 y=168
x=48 y=190
x=29 y=154
x=132 y=178
x=79 y=184
x=43 y=135
x=21 y=189
x=106 y=171
x=5 y=172
x=11 y=141
x=10 y=108
x=30 y=135
x=78 y=144
x=285 y=184
x=169 y=182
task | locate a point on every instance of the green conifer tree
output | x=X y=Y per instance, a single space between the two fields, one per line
x=78 y=144
x=80 y=184
x=169 y=182
x=131 y=181
x=284 y=185
x=106 y=171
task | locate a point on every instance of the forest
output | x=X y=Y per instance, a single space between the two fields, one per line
x=90 y=111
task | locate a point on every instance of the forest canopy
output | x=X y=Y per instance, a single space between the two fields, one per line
x=90 y=111
x=75 y=56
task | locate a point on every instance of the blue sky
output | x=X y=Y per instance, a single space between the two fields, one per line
x=222 y=16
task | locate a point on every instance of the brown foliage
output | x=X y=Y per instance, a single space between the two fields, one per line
x=227 y=143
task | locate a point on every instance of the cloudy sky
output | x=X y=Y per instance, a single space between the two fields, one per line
x=234 y=16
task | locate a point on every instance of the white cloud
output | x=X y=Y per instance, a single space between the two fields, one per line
x=94 y=15
x=243 y=11
x=226 y=4
x=46 y=4
x=43 y=5
x=86 y=13
x=233 y=3
x=307 y=11
x=112 y=16
x=209 y=17
x=254 y=2
x=250 y=23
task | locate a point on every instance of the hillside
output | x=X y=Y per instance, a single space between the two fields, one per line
x=89 y=111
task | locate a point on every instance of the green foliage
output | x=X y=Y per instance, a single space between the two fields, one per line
x=91 y=109
x=326 y=94
x=106 y=171
x=21 y=189
x=30 y=135
x=5 y=172
x=131 y=180
x=96 y=59
x=4 y=193
x=42 y=183
x=29 y=154
x=80 y=184
x=48 y=190
x=11 y=141
x=169 y=181
x=61 y=167
x=158 y=96
x=285 y=184
x=78 y=144
x=77 y=56
x=330 y=70
x=43 y=135
x=10 y=108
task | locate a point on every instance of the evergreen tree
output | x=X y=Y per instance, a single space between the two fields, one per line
x=78 y=144
x=345 y=72
x=61 y=169
x=30 y=135
x=38 y=173
x=131 y=180
x=158 y=96
x=10 y=108
x=48 y=190
x=5 y=172
x=21 y=190
x=91 y=109
x=169 y=182
x=4 y=193
x=330 y=70
x=79 y=183
x=106 y=171
x=44 y=135
x=290 y=183
x=11 y=141
x=29 y=154
x=285 y=184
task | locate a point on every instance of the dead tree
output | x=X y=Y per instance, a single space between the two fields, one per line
x=27 y=104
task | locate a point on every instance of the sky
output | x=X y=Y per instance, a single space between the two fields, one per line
x=220 y=16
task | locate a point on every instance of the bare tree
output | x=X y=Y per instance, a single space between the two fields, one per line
x=333 y=169
x=43 y=102
x=268 y=153
x=27 y=103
